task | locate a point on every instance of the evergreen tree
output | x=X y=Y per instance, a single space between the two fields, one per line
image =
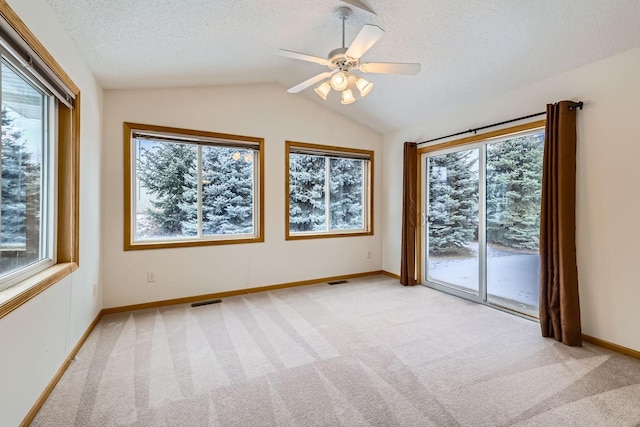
x=453 y=206
x=20 y=191
x=514 y=180
x=306 y=193
x=346 y=193
x=168 y=171
x=227 y=190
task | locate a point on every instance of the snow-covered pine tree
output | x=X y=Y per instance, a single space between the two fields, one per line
x=168 y=171
x=453 y=206
x=346 y=193
x=227 y=190
x=514 y=185
x=20 y=192
x=306 y=193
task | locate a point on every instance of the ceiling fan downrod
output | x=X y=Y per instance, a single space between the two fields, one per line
x=337 y=58
x=344 y=13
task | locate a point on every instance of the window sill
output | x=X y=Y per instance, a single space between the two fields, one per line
x=18 y=294
x=191 y=243
x=327 y=235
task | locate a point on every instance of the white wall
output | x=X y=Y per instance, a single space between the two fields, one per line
x=36 y=338
x=266 y=111
x=608 y=200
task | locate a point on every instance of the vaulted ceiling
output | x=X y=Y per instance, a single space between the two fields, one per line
x=469 y=49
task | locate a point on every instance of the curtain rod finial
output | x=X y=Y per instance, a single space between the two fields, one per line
x=576 y=105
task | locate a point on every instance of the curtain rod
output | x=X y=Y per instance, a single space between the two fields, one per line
x=571 y=107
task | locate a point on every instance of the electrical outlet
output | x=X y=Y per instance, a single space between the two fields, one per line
x=151 y=276
x=95 y=289
x=368 y=254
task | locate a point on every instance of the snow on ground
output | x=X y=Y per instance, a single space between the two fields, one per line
x=511 y=275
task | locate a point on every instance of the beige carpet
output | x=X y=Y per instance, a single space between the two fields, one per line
x=366 y=353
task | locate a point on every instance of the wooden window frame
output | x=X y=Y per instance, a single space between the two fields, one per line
x=67 y=214
x=368 y=220
x=128 y=181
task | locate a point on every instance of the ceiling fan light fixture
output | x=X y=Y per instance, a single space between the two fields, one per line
x=345 y=59
x=323 y=90
x=340 y=81
x=364 y=86
x=347 y=97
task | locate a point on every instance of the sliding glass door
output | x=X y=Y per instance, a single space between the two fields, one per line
x=514 y=183
x=481 y=220
x=453 y=256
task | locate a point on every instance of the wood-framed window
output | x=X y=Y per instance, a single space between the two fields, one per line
x=328 y=191
x=39 y=206
x=191 y=188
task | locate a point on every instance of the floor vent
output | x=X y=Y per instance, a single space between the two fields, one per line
x=211 y=301
x=338 y=282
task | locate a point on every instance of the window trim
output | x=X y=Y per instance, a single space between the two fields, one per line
x=129 y=245
x=330 y=150
x=67 y=201
x=481 y=139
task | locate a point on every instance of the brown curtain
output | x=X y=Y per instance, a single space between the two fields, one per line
x=559 y=301
x=409 y=213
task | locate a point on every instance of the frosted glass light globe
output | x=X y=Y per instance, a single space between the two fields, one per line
x=340 y=81
x=323 y=90
x=364 y=86
x=347 y=97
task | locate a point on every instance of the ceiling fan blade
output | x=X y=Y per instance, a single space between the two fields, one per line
x=390 y=68
x=367 y=37
x=302 y=56
x=313 y=80
x=359 y=5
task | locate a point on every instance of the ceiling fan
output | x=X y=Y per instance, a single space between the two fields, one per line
x=343 y=61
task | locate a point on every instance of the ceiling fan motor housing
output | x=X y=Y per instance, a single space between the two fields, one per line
x=341 y=62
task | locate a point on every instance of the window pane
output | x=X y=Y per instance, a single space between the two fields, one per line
x=22 y=218
x=514 y=185
x=227 y=191
x=453 y=257
x=346 y=186
x=306 y=193
x=166 y=204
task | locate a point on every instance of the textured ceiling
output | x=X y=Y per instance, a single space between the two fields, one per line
x=469 y=49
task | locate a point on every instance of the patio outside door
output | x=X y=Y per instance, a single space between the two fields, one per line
x=481 y=211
